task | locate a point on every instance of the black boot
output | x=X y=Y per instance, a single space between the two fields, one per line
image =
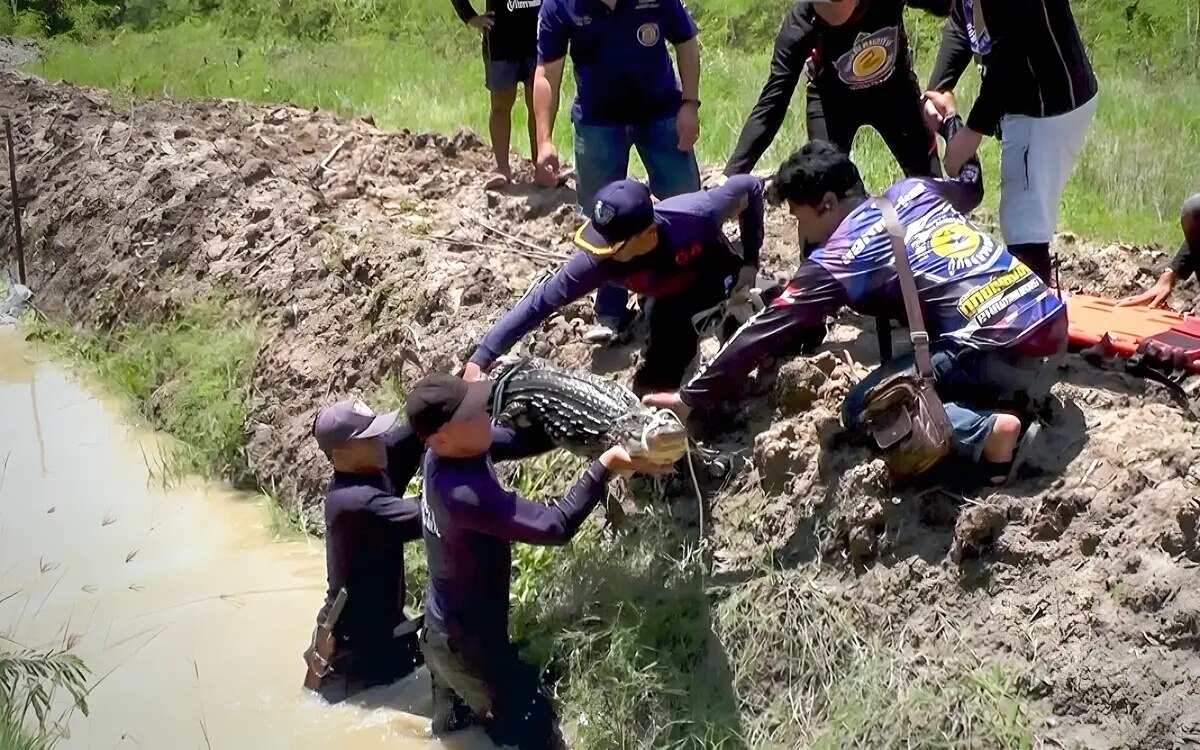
x=1036 y=255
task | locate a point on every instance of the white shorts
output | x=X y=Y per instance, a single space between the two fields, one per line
x=1037 y=156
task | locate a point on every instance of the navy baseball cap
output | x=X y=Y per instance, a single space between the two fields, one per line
x=436 y=399
x=622 y=209
x=348 y=420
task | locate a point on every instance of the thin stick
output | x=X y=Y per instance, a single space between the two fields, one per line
x=16 y=201
x=325 y=163
x=502 y=233
x=543 y=255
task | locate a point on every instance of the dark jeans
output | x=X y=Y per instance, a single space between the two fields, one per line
x=973 y=384
x=602 y=157
x=892 y=108
x=673 y=338
x=491 y=680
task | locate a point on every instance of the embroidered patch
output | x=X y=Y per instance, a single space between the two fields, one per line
x=648 y=34
x=603 y=213
x=870 y=60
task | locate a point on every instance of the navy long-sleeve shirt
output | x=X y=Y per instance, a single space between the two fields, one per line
x=974 y=293
x=367 y=522
x=470 y=523
x=691 y=246
x=1034 y=61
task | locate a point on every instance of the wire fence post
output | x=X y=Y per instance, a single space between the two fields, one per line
x=16 y=200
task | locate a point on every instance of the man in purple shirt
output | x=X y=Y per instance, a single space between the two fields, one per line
x=673 y=252
x=470 y=522
x=627 y=96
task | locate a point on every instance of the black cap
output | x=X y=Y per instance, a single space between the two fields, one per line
x=622 y=210
x=439 y=398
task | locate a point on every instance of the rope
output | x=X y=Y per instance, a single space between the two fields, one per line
x=662 y=418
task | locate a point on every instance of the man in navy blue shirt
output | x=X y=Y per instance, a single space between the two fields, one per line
x=367 y=522
x=627 y=96
x=470 y=522
x=673 y=252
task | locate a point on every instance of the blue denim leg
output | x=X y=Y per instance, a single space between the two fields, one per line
x=601 y=157
x=971 y=425
x=672 y=172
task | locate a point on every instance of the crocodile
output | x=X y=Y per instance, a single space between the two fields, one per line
x=583 y=413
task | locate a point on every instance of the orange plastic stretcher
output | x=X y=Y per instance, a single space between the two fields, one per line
x=1121 y=330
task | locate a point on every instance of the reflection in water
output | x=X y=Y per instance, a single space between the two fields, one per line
x=191 y=620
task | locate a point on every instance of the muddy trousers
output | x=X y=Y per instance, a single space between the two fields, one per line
x=499 y=689
x=360 y=665
x=673 y=336
x=893 y=109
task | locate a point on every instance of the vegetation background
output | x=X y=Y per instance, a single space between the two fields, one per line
x=411 y=64
x=654 y=650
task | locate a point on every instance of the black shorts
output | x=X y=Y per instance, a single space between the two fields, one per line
x=501 y=690
x=893 y=109
x=360 y=666
x=501 y=75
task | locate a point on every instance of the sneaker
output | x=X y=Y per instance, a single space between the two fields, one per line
x=604 y=331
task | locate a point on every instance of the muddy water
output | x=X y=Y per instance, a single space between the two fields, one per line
x=191 y=618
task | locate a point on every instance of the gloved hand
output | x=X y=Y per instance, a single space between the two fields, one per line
x=740 y=294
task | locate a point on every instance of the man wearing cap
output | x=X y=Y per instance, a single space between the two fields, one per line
x=627 y=96
x=470 y=522
x=673 y=251
x=367 y=522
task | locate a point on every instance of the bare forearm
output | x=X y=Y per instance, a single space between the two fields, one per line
x=545 y=105
x=687 y=57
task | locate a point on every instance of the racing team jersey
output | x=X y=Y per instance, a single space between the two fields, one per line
x=973 y=292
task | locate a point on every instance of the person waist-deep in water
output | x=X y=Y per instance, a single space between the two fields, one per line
x=627 y=97
x=997 y=328
x=367 y=523
x=673 y=252
x=860 y=72
x=469 y=523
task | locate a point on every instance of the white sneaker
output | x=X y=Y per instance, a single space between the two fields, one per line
x=603 y=332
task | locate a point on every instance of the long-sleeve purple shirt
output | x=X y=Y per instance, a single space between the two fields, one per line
x=691 y=245
x=367 y=523
x=470 y=522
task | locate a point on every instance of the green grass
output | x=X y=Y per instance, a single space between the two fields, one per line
x=422 y=72
x=188 y=375
x=29 y=680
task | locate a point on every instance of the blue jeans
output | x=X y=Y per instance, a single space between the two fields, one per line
x=602 y=157
x=970 y=383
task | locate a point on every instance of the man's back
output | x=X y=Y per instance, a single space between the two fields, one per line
x=973 y=291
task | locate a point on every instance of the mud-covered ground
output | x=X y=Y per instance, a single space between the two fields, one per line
x=373 y=254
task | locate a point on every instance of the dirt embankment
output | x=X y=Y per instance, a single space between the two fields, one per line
x=373 y=254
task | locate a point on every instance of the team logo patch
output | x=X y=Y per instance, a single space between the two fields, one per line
x=514 y=5
x=648 y=34
x=961 y=245
x=870 y=60
x=603 y=213
x=688 y=254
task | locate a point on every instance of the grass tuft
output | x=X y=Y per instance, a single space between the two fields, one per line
x=188 y=375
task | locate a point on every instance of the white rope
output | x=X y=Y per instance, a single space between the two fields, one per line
x=663 y=418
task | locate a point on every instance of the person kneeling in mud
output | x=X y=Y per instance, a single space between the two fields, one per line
x=367 y=639
x=1185 y=263
x=996 y=328
x=470 y=522
x=673 y=252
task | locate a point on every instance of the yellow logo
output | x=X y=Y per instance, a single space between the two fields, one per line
x=955 y=242
x=970 y=304
x=869 y=60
